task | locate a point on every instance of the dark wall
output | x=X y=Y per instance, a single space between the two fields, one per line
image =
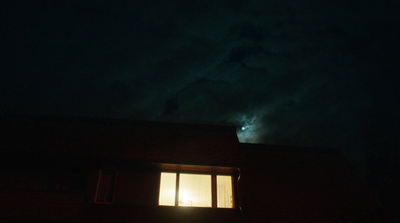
x=138 y=188
x=122 y=139
x=120 y=213
x=305 y=186
x=136 y=200
x=37 y=186
x=50 y=170
x=43 y=190
x=51 y=167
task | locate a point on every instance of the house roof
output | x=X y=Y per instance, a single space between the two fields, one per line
x=123 y=139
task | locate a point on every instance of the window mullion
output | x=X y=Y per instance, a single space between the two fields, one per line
x=177 y=189
x=214 y=190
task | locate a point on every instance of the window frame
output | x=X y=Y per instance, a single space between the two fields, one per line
x=112 y=185
x=213 y=171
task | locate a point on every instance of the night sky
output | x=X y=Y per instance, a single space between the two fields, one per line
x=310 y=73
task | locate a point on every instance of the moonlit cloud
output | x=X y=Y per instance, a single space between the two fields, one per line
x=304 y=73
x=250 y=129
x=298 y=73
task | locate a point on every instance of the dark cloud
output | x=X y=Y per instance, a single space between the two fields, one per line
x=312 y=73
x=304 y=73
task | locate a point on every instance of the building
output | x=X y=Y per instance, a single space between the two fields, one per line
x=103 y=170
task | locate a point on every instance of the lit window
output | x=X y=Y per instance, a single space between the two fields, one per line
x=195 y=190
x=224 y=192
x=167 y=189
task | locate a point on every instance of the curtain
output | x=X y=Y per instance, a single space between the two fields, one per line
x=195 y=190
x=167 y=189
x=224 y=192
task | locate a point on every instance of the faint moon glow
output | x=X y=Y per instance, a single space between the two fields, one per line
x=248 y=130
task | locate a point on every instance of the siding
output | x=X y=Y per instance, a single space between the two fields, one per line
x=25 y=205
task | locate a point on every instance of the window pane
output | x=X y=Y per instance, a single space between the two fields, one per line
x=167 y=189
x=195 y=190
x=224 y=192
x=105 y=187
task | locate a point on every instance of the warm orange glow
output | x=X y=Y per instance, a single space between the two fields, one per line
x=224 y=192
x=195 y=190
x=167 y=189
